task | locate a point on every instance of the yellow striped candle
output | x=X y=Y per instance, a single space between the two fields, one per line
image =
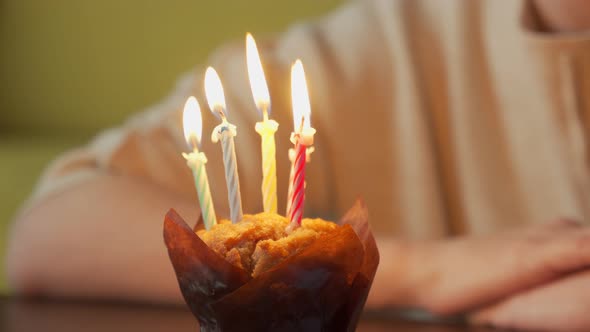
x=266 y=128
x=193 y=129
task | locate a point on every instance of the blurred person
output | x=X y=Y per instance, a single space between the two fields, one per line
x=464 y=124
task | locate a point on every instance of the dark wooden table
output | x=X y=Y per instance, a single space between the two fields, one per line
x=28 y=315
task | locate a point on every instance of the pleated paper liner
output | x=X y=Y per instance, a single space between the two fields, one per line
x=321 y=288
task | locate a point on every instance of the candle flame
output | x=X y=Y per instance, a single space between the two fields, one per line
x=214 y=93
x=192 y=122
x=256 y=75
x=300 y=97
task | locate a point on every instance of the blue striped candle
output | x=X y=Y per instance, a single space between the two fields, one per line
x=225 y=132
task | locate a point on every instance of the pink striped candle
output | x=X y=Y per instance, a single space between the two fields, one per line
x=308 y=153
x=302 y=137
x=298 y=197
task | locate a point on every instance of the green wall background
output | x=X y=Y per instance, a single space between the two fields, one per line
x=71 y=68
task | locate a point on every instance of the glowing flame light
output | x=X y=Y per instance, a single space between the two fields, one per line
x=192 y=122
x=256 y=75
x=300 y=97
x=214 y=93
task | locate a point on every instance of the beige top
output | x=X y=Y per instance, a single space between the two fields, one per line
x=447 y=116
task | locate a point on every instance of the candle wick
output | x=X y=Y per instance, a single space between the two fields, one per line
x=194 y=144
x=265 y=113
x=302 y=124
x=220 y=111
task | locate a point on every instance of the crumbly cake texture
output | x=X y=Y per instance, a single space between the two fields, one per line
x=259 y=242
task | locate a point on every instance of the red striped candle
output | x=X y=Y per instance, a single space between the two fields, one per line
x=302 y=137
x=292 y=174
x=298 y=196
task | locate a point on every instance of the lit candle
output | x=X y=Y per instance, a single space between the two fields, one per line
x=266 y=128
x=193 y=130
x=225 y=132
x=302 y=137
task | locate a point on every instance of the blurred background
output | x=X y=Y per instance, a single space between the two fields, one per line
x=69 y=69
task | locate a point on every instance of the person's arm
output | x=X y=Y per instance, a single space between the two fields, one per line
x=100 y=239
x=558 y=306
x=453 y=276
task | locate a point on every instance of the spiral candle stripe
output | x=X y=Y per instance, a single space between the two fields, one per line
x=204 y=193
x=298 y=199
x=267 y=130
x=291 y=175
x=269 y=179
x=308 y=153
x=227 y=134
x=196 y=161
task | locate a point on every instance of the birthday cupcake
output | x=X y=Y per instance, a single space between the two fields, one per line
x=252 y=276
x=266 y=272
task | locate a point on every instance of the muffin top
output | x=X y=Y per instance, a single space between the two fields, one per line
x=259 y=242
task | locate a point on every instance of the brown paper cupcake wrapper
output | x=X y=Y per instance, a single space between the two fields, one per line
x=321 y=288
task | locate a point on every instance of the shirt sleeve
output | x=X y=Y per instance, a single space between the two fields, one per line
x=147 y=147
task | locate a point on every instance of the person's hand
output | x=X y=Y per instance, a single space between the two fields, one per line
x=461 y=275
x=561 y=305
